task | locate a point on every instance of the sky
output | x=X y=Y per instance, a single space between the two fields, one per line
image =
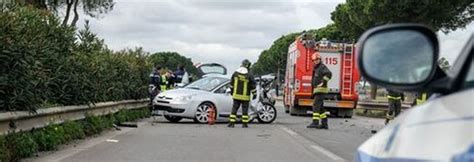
x=222 y=31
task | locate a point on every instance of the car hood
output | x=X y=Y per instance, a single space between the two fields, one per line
x=441 y=129
x=170 y=94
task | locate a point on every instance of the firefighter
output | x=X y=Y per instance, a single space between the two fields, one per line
x=394 y=105
x=420 y=98
x=321 y=77
x=242 y=85
x=154 y=86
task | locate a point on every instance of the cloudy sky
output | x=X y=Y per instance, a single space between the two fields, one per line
x=222 y=31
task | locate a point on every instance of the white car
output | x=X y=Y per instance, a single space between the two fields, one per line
x=196 y=99
x=404 y=57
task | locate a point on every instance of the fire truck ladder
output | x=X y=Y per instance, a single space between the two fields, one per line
x=347 y=70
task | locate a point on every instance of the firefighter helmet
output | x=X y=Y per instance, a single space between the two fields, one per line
x=246 y=63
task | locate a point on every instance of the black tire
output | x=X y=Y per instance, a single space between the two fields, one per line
x=268 y=114
x=173 y=119
x=202 y=111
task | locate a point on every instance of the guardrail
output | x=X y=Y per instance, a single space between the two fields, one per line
x=24 y=120
x=370 y=105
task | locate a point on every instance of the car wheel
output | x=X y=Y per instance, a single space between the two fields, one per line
x=202 y=112
x=173 y=119
x=267 y=114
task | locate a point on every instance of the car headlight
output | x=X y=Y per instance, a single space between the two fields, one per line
x=183 y=98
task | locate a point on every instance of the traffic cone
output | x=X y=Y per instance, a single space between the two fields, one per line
x=211 y=118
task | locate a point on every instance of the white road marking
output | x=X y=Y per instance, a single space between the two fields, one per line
x=327 y=153
x=289 y=131
x=313 y=145
x=112 y=140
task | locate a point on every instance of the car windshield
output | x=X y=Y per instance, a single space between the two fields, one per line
x=207 y=83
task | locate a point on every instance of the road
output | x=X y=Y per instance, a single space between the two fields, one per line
x=287 y=139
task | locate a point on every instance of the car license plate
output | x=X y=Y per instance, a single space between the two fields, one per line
x=155 y=113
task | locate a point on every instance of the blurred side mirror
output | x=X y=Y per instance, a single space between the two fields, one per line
x=400 y=56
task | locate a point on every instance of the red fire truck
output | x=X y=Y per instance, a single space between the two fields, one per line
x=339 y=58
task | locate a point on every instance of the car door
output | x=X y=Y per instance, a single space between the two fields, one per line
x=223 y=100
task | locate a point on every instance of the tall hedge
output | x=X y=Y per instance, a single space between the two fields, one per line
x=43 y=63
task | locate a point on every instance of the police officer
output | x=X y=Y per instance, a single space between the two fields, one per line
x=321 y=77
x=242 y=85
x=178 y=74
x=394 y=104
x=155 y=81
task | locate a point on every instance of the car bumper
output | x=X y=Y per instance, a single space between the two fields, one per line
x=186 y=110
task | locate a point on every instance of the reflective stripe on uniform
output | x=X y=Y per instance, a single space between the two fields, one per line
x=241 y=97
x=315 y=116
x=394 y=98
x=323 y=116
x=326 y=78
x=245 y=118
x=244 y=96
x=246 y=82
x=232 y=118
x=320 y=90
x=421 y=100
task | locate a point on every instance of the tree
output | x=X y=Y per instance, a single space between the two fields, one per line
x=92 y=8
x=171 y=60
x=356 y=16
x=273 y=60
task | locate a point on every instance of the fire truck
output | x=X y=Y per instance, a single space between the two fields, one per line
x=339 y=58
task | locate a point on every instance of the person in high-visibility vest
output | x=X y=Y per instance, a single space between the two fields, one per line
x=394 y=104
x=242 y=85
x=321 y=77
x=164 y=81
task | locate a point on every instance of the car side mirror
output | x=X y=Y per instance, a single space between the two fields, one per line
x=180 y=85
x=227 y=91
x=399 y=56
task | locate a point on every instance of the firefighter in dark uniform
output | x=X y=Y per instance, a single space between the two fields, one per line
x=321 y=77
x=242 y=85
x=154 y=86
x=394 y=104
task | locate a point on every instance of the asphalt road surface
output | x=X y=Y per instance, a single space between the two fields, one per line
x=287 y=139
